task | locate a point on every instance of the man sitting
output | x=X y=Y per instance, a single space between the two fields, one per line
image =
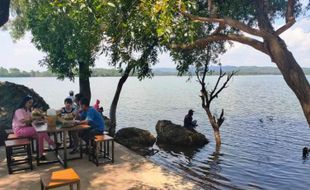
x=188 y=121
x=93 y=118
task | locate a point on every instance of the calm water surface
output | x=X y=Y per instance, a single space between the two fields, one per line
x=262 y=136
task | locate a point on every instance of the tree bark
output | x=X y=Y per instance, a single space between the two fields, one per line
x=84 y=74
x=217 y=136
x=4 y=11
x=115 y=100
x=215 y=126
x=293 y=74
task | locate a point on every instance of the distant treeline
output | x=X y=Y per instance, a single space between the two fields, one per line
x=100 y=72
x=14 y=72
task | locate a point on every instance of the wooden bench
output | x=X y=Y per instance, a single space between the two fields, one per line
x=60 y=178
x=13 y=158
x=101 y=150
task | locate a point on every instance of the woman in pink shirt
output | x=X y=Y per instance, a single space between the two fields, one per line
x=22 y=127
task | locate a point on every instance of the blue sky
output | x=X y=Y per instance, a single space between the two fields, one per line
x=25 y=56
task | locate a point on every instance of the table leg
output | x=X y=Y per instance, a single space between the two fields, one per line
x=112 y=151
x=65 y=148
x=81 y=147
x=37 y=148
x=56 y=141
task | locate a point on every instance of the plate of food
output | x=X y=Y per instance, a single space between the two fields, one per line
x=68 y=117
x=37 y=115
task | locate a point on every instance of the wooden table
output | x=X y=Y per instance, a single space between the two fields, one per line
x=40 y=128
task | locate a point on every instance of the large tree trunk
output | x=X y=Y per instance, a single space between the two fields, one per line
x=115 y=100
x=291 y=71
x=4 y=11
x=284 y=59
x=84 y=74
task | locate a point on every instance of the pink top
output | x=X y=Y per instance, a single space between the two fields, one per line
x=19 y=115
x=96 y=106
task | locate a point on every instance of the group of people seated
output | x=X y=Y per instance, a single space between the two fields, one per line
x=78 y=106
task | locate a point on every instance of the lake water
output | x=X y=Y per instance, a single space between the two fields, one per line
x=262 y=136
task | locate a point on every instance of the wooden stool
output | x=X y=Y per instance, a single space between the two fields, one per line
x=60 y=178
x=9 y=145
x=12 y=136
x=100 y=151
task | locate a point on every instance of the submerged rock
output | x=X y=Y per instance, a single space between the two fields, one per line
x=136 y=139
x=10 y=96
x=172 y=134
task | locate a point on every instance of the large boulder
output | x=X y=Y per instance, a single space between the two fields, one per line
x=172 y=134
x=10 y=96
x=136 y=139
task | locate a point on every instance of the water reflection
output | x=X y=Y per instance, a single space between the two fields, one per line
x=188 y=152
x=207 y=175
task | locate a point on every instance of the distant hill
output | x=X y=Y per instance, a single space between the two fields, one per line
x=100 y=72
x=241 y=70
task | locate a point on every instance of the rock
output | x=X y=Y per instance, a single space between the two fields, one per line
x=172 y=134
x=135 y=139
x=11 y=95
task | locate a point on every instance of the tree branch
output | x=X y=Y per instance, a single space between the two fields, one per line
x=286 y=26
x=289 y=19
x=202 y=43
x=198 y=77
x=221 y=75
x=226 y=20
x=221 y=119
x=223 y=86
x=290 y=10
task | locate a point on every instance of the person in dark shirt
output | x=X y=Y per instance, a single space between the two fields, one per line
x=188 y=121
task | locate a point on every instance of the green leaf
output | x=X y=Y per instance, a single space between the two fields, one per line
x=111 y=4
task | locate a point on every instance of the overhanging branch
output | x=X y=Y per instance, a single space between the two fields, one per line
x=226 y=20
x=286 y=26
x=289 y=17
x=202 y=43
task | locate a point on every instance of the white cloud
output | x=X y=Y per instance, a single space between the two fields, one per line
x=296 y=38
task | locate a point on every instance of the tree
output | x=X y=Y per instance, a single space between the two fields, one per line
x=201 y=59
x=244 y=21
x=69 y=32
x=132 y=45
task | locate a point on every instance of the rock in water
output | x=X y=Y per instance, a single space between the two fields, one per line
x=170 y=133
x=136 y=139
x=10 y=96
